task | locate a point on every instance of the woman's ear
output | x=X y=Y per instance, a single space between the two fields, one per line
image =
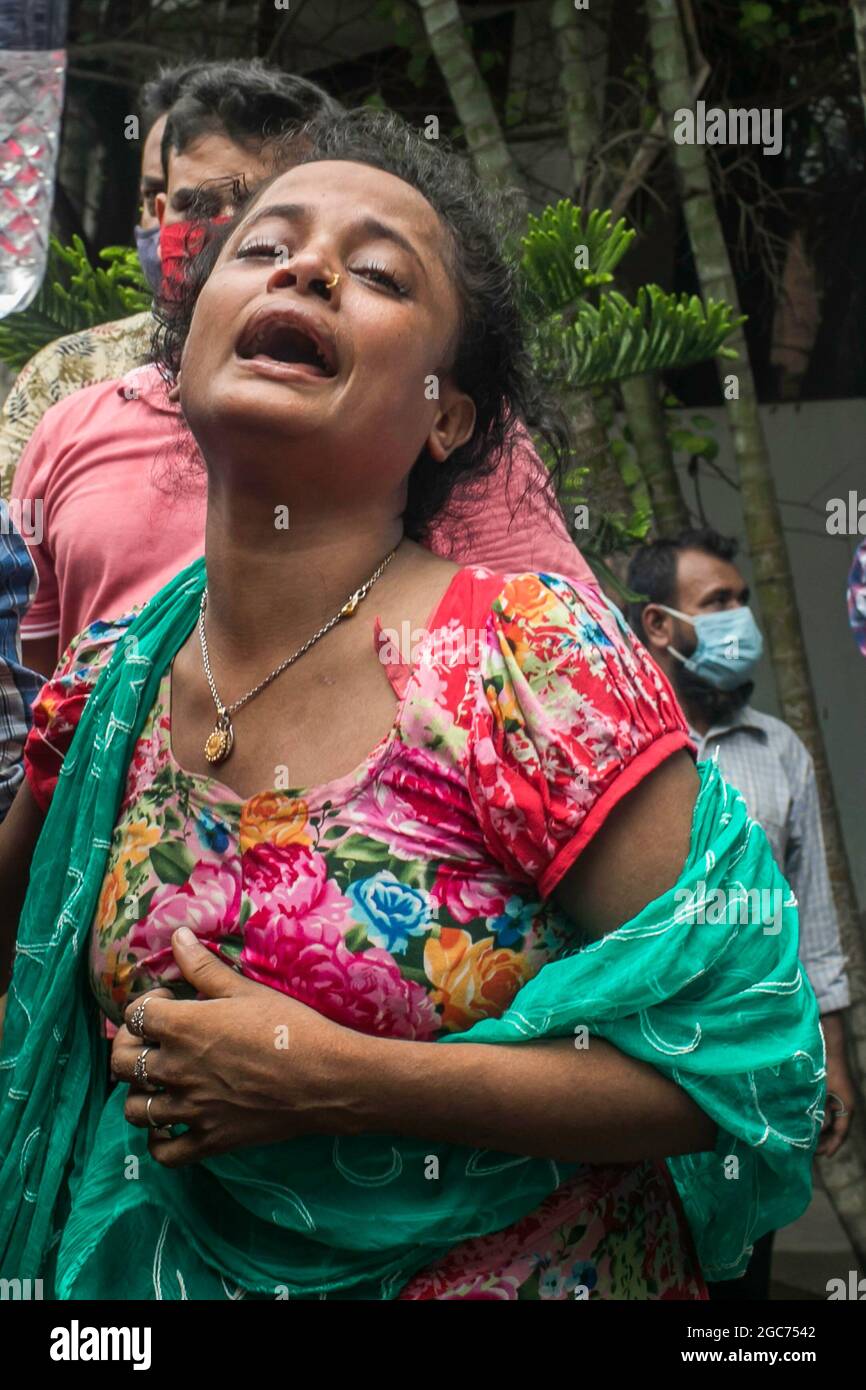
x=453 y=423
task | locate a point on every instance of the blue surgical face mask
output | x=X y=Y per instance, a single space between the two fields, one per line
x=729 y=646
x=147 y=245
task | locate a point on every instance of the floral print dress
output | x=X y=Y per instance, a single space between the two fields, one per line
x=412 y=896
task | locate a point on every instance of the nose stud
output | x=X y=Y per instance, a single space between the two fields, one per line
x=333 y=282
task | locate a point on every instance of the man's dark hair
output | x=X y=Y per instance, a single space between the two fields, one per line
x=159 y=95
x=250 y=102
x=652 y=571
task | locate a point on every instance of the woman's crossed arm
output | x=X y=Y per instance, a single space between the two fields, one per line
x=228 y=1081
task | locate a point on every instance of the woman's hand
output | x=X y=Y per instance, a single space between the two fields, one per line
x=840 y=1087
x=244 y=1065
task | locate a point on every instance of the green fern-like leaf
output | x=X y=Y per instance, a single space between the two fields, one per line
x=588 y=336
x=75 y=295
x=565 y=255
x=616 y=339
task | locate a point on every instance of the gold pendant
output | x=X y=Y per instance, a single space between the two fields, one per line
x=221 y=741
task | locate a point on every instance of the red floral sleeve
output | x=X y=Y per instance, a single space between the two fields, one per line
x=59 y=704
x=576 y=714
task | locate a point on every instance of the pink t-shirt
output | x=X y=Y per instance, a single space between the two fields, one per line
x=113 y=532
x=111 y=536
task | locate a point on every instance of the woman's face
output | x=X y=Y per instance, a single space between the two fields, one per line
x=345 y=385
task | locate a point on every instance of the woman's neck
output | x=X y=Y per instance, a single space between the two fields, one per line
x=273 y=579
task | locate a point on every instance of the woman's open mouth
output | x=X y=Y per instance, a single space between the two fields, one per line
x=282 y=343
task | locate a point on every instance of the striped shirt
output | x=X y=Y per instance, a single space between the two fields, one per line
x=18 y=686
x=772 y=768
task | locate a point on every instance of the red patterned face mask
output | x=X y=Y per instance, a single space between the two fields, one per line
x=178 y=243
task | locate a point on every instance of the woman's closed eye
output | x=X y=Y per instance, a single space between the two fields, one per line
x=260 y=247
x=380 y=275
x=374 y=271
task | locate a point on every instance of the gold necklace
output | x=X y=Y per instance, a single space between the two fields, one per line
x=221 y=741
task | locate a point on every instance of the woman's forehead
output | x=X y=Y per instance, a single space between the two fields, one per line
x=354 y=191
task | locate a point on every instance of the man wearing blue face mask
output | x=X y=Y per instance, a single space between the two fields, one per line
x=695 y=620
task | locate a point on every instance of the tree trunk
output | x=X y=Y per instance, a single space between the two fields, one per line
x=444 y=27
x=646 y=419
x=603 y=490
x=581 y=109
x=845 y=1178
x=858 y=11
x=640 y=394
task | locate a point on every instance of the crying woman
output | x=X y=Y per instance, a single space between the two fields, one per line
x=376 y=967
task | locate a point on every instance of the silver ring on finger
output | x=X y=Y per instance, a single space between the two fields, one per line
x=840 y=1108
x=164 y=1131
x=139 y=1071
x=136 y=1019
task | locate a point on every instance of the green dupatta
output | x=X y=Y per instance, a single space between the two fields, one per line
x=720 y=1007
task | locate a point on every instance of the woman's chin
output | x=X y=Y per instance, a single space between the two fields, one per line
x=227 y=428
x=233 y=407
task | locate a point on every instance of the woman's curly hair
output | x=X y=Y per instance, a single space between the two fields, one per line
x=492 y=363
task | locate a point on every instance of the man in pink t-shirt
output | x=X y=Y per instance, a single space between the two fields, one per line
x=112 y=532
x=115 y=525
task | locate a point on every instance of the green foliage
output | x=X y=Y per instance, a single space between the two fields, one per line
x=408 y=33
x=698 y=441
x=565 y=255
x=616 y=339
x=401 y=15
x=638 y=71
x=764 y=26
x=753 y=14
x=590 y=336
x=75 y=295
x=516 y=103
x=488 y=59
x=688 y=443
x=584 y=338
